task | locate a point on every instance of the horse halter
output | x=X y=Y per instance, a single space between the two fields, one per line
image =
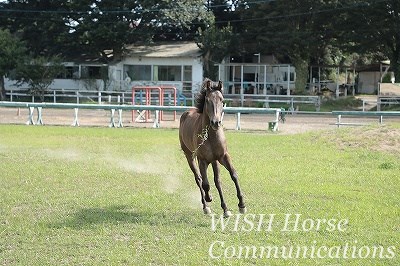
x=216 y=113
x=203 y=136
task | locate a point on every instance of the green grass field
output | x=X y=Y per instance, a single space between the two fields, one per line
x=100 y=196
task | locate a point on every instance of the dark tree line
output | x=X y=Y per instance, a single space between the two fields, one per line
x=70 y=27
x=305 y=32
x=98 y=28
x=301 y=32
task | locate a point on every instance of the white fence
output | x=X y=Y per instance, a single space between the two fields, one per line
x=273 y=125
x=69 y=96
x=379 y=114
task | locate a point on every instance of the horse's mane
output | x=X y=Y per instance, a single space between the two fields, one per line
x=201 y=96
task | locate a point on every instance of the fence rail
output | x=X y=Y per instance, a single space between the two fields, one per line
x=62 y=96
x=273 y=125
x=291 y=100
x=379 y=114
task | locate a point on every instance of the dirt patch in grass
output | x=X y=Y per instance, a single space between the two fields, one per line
x=384 y=138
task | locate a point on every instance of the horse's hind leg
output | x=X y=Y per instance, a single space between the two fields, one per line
x=203 y=165
x=226 y=162
x=217 y=182
x=198 y=180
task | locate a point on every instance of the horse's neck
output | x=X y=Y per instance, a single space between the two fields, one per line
x=205 y=121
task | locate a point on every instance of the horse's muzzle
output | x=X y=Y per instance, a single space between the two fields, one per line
x=216 y=124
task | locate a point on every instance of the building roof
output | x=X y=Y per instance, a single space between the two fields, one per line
x=175 y=49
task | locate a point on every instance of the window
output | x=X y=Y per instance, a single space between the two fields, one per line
x=167 y=73
x=93 y=72
x=71 y=72
x=187 y=78
x=137 y=72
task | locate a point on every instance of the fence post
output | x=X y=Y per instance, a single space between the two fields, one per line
x=120 y=117
x=338 y=120
x=266 y=104
x=30 y=116
x=99 y=97
x=76 y=121
x=156 y=123
x=112 y=121
x=54 y=96
x=292 y=105
x=39 y=118
x=238 y=121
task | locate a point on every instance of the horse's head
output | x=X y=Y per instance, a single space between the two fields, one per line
x=213 y=106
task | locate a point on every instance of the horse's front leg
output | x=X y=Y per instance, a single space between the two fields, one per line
x=226 y=162
x=198 y=179
x=203 y=165
x=217 y=182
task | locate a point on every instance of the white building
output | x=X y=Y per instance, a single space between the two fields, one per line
x=259 y=79
x=178 y=64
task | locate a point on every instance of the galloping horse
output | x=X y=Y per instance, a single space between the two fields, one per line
x=201 y=136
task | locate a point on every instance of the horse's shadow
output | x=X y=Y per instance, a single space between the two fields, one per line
x=121 y=214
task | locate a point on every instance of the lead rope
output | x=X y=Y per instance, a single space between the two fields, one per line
x=203 y=136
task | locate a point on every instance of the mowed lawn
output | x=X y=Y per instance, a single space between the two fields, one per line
x=101 y=196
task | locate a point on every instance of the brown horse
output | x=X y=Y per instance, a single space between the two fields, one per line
x=201 y=136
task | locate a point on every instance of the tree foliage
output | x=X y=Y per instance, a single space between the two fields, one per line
x=101 y=27
x=372 y=28
x=295 y=31
x=38 y=73
x=40 y=24
x=215 y=44
x=12 y=52
x=302 y=32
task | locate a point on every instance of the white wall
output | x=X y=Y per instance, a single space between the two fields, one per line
x=62 y=84
x=116 y=75
x=196 y=63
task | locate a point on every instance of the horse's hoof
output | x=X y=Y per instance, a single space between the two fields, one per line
x=207 y=210
x=242 y=210
x=208 y=198
x=227 y=214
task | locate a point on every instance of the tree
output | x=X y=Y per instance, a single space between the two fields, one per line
x=39 y=73
x=215 y=44
x=101 y=28
x=42 y=25
x=373 y=28
x=298 y=31
x=105 y=27
x=12 y=52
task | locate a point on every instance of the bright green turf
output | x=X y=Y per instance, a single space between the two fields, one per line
x=100 y=196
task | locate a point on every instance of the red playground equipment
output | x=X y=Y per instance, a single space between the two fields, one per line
x=152 y=95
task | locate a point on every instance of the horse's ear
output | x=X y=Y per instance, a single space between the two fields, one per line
x=208 y=84
x=220 y=86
